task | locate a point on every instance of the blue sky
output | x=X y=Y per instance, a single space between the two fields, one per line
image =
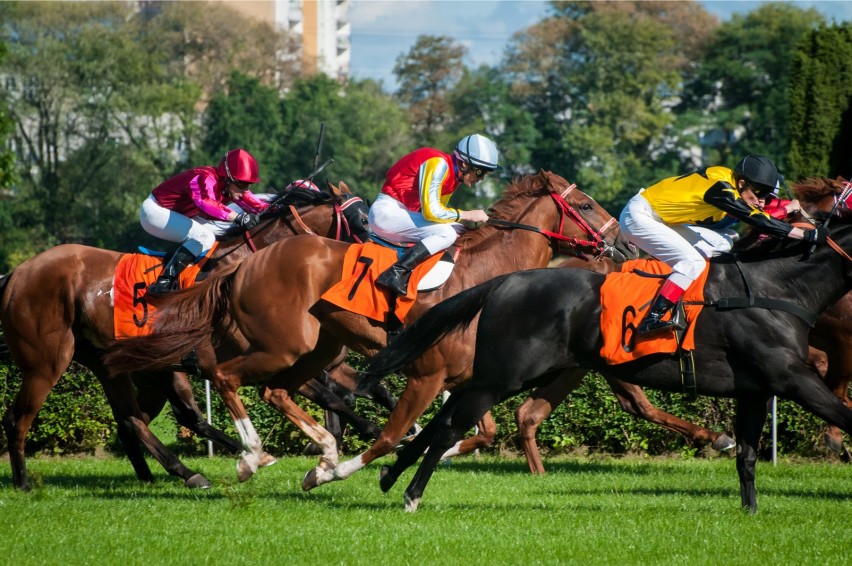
x=383 y=29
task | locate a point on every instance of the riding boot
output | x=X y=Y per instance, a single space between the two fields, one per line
x=168 y=279
x=396 y=276
x=653 y=321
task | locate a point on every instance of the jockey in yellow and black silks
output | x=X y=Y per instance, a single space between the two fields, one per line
x=681 y=221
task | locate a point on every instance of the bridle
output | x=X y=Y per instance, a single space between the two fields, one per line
x=558 y=240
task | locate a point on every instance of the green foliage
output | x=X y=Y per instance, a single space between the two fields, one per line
x=602 y=511
x=820 y=111
x=75 y=417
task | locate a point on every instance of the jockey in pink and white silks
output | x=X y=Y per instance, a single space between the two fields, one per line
x=678 y=222
x=413 y=205
x=191 y=208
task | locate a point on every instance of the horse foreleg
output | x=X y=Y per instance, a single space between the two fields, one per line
x=418 y=394
x=187 y=413
x=325 y=398
x=633 y=400
x=486 y=430
x=750 y=418
x=537 y=407
x=281 y=400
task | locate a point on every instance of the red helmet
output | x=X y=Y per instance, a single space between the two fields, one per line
x=238 y=165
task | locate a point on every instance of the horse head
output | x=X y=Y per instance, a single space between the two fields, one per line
x=821 y=194
x=356 y=212
x=583 y=226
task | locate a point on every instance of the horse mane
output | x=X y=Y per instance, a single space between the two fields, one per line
x=812 y=189
x=280 y=206
x=507 y=206
x=772 y=247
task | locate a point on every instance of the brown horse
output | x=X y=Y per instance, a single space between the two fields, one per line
x=830 y=338
x=288 y=333
x=58 y=306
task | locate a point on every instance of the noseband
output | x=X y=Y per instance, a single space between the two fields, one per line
x=595 y=242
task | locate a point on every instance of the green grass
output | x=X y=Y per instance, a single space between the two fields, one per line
x=487 y=511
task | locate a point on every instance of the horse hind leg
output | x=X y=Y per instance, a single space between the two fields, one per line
x=37 y=380
x=120 y=393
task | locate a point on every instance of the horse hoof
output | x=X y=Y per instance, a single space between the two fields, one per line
x=834 y=444
x=724 y=442
x=197 y=481
x=244 y=470
x=411 y=503
x=266 y=459
x=386 y=480
x=311 y=479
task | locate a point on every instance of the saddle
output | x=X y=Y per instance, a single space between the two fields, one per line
x=132 y=314
x=625 y=298
x=437 y=275
x=356 y=291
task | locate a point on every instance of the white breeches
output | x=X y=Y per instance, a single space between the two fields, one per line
x=196 y=234
x=390 y=220
x=683 y=247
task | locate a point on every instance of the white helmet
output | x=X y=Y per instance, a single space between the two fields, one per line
x=479 y=151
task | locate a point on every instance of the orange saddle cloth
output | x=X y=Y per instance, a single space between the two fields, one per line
x=132 y=315
x=356 y=292
x=626 y=297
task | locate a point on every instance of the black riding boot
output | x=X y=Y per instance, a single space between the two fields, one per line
x=396 y=276
x=653 y=322
x=167 y=281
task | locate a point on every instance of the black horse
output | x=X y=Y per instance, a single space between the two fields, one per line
x=534 y=324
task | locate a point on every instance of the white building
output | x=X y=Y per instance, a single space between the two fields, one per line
x=322 y=25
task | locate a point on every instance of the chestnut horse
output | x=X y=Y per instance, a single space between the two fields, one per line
x=58 y=306
x=288 y=333
x=830 y=338
x=533 y=325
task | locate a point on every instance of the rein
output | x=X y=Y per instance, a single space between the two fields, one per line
x=566 y=210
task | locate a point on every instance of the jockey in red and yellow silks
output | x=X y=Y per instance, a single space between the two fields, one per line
x=413 y=205
x=678 y=222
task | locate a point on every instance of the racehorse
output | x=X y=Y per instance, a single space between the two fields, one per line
x=535 y=324
x=287 y=341
x=832 y=335
x=58 y=306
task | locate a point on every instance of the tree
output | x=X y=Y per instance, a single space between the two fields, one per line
x=426 y=76
x=821 y=104
x=600 y=80
x=366 y=131
x=741 y=86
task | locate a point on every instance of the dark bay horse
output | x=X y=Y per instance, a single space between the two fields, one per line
x=289 y=333
x=832 y=336
x=58 y=306
x=535 y=324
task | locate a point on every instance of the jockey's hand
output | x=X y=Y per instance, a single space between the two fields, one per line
x=474 y=216
x=818 y=235
x=246 y=220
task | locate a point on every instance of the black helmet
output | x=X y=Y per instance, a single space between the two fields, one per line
x=759 y=173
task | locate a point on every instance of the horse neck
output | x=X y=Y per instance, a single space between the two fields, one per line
x=815 y=284
x=506 y=250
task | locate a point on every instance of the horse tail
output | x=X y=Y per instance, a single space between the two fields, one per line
x=457 y=312
x=182 y=322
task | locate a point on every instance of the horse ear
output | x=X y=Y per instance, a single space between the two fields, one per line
x=344 y=188
x=336 y=191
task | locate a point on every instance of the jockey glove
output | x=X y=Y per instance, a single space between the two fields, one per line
x=818 y=235
x=247 y=220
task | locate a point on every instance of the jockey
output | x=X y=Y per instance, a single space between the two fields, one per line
x=412 y=206
x=671 y=221
x=191 y=208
